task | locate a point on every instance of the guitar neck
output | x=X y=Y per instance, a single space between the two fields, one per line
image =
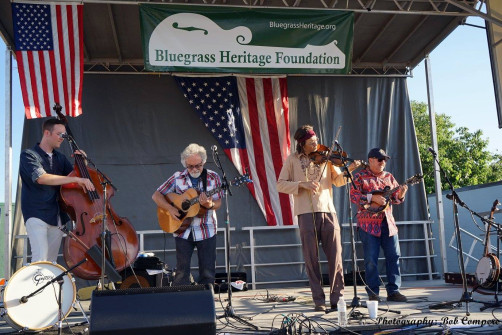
x=193 y=201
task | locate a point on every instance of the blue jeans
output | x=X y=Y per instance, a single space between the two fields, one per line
x=390 y=246
x=206 y=251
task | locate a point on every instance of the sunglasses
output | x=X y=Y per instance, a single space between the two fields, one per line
x=197 y=166
x=380 y=160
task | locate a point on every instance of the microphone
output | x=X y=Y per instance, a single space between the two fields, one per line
x=214 y=148
x=432 y=151
x=23 y=300
x=64 y=135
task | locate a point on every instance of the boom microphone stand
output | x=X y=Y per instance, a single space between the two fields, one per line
x=229 y=310
x=466 y=295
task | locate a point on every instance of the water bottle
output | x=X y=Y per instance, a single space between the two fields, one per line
x=342 y=312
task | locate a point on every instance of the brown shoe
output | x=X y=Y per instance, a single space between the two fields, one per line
x=320 y=308
x=397 y=296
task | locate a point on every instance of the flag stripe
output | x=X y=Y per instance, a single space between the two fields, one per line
x=276 y=148
x=246 y=123
x=23 y=80
x=258 y=152
x=44 y=95
x=49 y=52
x=268 y=129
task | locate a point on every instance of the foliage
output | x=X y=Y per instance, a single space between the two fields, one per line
x=463 y=155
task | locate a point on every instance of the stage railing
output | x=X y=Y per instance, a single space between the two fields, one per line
x=255 y=251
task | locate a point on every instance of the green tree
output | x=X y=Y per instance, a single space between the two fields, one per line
x=462 y=154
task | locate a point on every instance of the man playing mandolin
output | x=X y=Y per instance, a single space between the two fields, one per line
x=376 y=224
x=198 y=231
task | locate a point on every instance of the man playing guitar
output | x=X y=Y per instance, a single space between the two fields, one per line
x=198 y=231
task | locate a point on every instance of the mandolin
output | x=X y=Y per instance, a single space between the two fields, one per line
x=188 y=206
x=387 y=192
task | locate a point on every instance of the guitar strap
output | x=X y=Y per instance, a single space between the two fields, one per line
x=203 y=175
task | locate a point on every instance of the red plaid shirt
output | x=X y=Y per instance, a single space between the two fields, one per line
x=366 y=182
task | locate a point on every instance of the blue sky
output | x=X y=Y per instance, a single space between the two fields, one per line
x=462 y=88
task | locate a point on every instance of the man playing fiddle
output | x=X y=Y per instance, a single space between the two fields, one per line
x=378 y=229
x=312 y=188
x=43 y=170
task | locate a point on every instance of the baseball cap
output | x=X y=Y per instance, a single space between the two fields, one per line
x=378 y=153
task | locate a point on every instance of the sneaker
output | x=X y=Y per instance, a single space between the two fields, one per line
x=320 y=308
x=397 y=296
x=374 y=297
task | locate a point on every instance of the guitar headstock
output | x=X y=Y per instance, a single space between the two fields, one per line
x=240 y=180
x=415 y=179
x=57 y=108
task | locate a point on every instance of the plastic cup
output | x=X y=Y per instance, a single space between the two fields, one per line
x=372 y=308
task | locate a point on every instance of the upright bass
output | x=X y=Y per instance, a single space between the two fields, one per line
x=88 y=211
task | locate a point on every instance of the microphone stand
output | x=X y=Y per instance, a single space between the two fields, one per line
x=489 y=223
x=60 y=280
x=466 y=295
x=229 y=310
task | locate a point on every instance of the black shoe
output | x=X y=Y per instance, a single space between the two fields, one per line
x=334 y=308
x=320 y=308
x=397 y=296
x=375 y=297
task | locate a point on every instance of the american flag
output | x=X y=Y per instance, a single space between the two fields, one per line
x=49 y=53
x=249 y=119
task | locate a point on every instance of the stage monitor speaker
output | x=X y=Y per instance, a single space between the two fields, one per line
x=158 y=310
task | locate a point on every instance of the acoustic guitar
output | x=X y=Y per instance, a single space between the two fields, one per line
x=188 y=206
x=488 y=269
x=387 y=192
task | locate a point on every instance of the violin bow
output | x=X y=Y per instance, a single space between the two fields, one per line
x=331 y=149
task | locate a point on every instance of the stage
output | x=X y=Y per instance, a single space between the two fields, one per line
x=279 y=310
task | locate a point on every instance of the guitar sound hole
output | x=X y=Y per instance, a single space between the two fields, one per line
x=185 y=205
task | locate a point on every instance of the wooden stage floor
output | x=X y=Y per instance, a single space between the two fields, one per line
x=291 y=311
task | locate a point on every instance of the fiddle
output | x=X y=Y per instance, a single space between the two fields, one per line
x=324 y=154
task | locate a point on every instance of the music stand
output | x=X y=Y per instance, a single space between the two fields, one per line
x=229 y=310
x=466 y=295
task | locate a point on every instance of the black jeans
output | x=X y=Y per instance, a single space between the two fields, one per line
x=206 y=251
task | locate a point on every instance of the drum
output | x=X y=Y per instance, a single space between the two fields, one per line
x=40 y=311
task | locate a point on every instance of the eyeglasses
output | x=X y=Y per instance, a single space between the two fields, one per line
x=197 y=166
x=380 y=160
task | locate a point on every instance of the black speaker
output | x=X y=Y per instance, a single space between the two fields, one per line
x=158 y=310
